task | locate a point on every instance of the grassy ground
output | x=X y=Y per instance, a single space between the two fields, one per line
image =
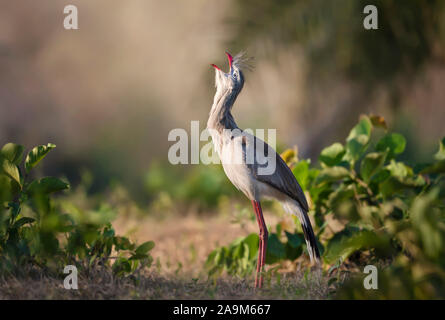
x=182 y=246
x=102 y=285
x=184 y=242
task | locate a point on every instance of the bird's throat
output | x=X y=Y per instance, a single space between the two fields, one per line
x=220 y=117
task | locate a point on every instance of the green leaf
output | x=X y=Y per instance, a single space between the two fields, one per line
x=358 y=139
x=340 y=196
x=5 y=191
x=138 y=256
x=275 y=249
x=23 y=221
x=332 y=155
x=13 y=152
x=393 y=142
x=341 y=248
x=399 y=169
x=36 y=155
x=364 y=127
x=293 y=253
x=440 y=155
x=437 y=167
x=238 y=252
x=295 y=240
x=331 y=174
x=10 y=169
x=341 y=204
x=398 y=183
x=381 y=176
x=252 y=241
x=425 y=219
x=301 y=173
x=123 y=243
x=47 y=185
x=15 y=209
x=371 y=164
x=121 y=266
x=145 y=247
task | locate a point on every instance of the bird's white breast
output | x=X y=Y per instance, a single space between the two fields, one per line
x=230 y=151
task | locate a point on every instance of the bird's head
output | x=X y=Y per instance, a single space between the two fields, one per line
x=232 y=80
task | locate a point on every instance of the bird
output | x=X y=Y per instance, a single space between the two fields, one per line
x=252 y=165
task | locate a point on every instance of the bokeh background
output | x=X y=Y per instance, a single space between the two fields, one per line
x=108 y=94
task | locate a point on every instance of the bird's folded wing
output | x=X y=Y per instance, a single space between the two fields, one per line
x=282 y=178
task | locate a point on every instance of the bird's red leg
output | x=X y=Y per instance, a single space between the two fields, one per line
x=260 y=248
x=264 y=236
x=262 y=243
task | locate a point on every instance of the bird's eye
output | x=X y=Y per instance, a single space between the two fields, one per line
x=235 y=74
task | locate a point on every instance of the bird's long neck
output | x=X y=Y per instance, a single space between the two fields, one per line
x=220 y=115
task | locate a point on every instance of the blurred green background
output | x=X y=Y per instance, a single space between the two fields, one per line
x=109 y=93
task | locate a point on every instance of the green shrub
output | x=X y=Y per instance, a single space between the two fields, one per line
x=38 y=232
x=389 y=211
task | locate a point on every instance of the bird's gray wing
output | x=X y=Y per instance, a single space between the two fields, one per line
x=282 y=178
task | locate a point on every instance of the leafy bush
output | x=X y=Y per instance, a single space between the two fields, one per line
x=37 y=231
x=388 y=212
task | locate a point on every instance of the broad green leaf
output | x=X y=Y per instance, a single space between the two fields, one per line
x=395 y=184
x=425 y=219
x=122 y=243
x=252 y=241
x=275 y=249
x=23 y=221
x=358 y=139
x=362 y=240
x=295 y=240
x=121 y=266
x=332 y=155
x=370 y=164
x=238 y=252
x=47 y=185
x=13 y=152
x=381 y=176
x=399 y=169
x=332 y=174
x=109 y=233
x=341 y=204
x=210 y=262
x=301 y=173
x=10 y=169
x=36 y=155
x=292 y=252
x=393 y=142
x=437 y=167
x=340 y=195
x=440 y=155
x=5 y=190
x=363 y=128
x=138 y=256
x=337 y=239
x=145 y=247
x=15 y=209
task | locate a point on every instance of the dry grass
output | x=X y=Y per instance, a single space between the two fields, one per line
x=182 y=246
x=184 y=242
x=101 y=284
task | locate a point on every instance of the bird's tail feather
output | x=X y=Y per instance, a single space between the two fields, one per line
x=294 y=208
x=309 y=236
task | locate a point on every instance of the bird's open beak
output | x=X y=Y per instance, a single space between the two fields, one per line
x=216 y=67
x=229 y=57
